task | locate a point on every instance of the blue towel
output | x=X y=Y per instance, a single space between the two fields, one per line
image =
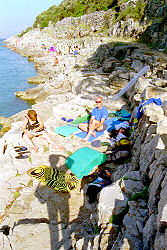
x=66 y=130
x=91 y=138
x=110 y=125
x=144 y=103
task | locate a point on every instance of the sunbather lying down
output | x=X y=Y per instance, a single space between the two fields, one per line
x=96 y=123
x=33 y=126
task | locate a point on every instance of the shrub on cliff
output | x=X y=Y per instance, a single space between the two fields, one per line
x=69 y=8
x=25 y=31
x=135 y=11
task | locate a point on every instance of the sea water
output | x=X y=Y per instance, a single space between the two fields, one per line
x=14 y=71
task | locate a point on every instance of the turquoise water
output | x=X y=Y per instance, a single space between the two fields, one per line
x=14 y=71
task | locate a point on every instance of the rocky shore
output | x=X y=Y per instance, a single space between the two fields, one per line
x=40 y=218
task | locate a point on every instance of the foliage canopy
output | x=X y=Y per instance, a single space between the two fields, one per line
x=67 y=8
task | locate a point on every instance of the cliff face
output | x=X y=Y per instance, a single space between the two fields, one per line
x=143 y=20
x=131 y=212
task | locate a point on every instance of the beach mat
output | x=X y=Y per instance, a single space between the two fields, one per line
x=84 y=160
x=91 y=138
x=53 y=178
x=66 y=130
x=110 y=125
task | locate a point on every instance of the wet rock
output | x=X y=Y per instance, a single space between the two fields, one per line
x=37 y=79
x=33 y=95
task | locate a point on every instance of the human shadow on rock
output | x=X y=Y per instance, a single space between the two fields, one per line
x=58 y=210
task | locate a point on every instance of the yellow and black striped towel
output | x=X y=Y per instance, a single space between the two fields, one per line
x=56 y=179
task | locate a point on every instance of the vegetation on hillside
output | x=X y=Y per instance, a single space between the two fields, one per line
x=74 y=8
x=25 y=31
x=129 y=11
x=152 y=11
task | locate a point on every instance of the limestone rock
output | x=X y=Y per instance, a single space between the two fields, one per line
x=126 y=241
x=137 y=65
x=22 y=235
x=130 y=187
x=162 y=207
x=147 y=155
x=108 y=66
x=155 y=92
x=120 y=171
x=33 y=95
x=154 y=112
x=160 y=241
x=37 y=79
x=133 y=175
x=149 y=232
x=111 y=201
x=154 y=189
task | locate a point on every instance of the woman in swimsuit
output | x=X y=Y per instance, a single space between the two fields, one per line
x=33 y=126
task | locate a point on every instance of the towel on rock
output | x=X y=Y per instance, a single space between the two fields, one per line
x=56 y=179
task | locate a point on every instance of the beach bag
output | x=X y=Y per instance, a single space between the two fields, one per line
x=123 y=142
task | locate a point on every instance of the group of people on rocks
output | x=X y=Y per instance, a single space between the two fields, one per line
x=74 y=52
x=32 y=126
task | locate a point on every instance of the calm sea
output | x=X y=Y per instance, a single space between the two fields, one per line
x=14 y=71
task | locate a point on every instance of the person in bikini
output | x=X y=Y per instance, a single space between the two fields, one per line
x=32 y=126
x=96 y=123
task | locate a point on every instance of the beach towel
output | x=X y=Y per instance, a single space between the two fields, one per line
x=123 y=115
x=66 y=130
x=141 y=108
x=81 y=119
x=91 y=138
x=53 y=178
x=84 y=160
x=110 y=125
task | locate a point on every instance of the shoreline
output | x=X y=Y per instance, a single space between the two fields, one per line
x=101 y=68
x=5 y=121
x=61 y=78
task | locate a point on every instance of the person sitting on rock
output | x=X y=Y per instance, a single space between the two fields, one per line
x=32 y=126
x=96 y=123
